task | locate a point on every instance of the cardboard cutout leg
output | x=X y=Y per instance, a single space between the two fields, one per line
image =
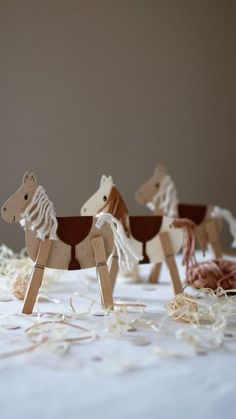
x=114 y=270
x=171 y=263
x=36 y=276
x=155 y=274
x=213 y=238
x=103 y=273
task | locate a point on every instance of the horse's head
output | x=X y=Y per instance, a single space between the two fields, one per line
x=98 y=201
x=13 y=208
x=106 y=199
x=150 y=188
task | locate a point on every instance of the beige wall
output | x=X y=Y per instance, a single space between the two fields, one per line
x=92 y=87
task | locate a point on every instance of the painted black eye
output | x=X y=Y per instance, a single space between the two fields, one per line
x=104 y=198
x=157 y=185
x=26 y=197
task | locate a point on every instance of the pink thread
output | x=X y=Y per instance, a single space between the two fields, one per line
x=211 y=274
x=189 y=240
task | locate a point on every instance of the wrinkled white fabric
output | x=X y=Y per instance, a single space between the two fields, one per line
x=77 y=386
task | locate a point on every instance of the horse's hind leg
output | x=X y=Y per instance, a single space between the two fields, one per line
x=171 y=263
x=213 y=238
x=36 y=276
x=103 y=273
x=155 y=274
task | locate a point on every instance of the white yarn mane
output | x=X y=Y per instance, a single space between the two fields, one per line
x=166 y=198
x=128 y=256
x=40 y=215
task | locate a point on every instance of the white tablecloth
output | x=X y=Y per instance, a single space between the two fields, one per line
x=113 y=376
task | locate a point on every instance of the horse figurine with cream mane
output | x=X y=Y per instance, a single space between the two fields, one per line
x=68 y=243
x=154 y=236
x=159 y=194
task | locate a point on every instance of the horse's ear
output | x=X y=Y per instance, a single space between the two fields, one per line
x=103 y=180
x=160 y=169
x=33 y=178
x=110 y=180
x=26 y=178
x=106 y=180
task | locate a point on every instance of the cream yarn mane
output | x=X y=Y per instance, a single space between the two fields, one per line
x=166 y=198
x=40 y=215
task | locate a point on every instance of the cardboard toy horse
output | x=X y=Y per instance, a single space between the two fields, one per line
x=160 y=195
x=153 y=236
x=64 y=242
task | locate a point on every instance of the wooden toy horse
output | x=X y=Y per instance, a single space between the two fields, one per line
x=152 y=235
x=62 y=242
x=160 y=195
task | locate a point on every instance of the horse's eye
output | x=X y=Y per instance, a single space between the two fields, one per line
x=26 y=197
x=105 y=198
x=157 y=185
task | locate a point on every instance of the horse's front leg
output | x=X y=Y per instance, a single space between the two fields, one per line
x=171 y=263
x=36 y=276
x=103 y=273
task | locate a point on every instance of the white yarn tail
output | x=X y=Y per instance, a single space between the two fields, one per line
x=128 y=256
x=229 y=218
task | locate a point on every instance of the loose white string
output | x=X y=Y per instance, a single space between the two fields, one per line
x=128 y=255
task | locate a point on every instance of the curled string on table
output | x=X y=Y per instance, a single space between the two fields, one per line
x=19 y=286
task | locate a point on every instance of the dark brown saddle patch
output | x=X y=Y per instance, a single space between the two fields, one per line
x=144 y=228
x=195 y=213
x=72 y=231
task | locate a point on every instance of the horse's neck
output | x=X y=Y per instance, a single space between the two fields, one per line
x=125 y=223
x=166 y=200
x=31 y=242
x=124 y=220
x=118 y=209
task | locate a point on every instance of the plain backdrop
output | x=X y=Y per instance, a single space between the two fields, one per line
x=93 y=87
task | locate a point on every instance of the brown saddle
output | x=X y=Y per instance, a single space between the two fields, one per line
x=195 y=213
x=145 y=228
x=72 y=231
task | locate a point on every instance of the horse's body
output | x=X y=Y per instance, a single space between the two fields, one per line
x=64 y=242
x=143 y=231
x=159 y=194
x=145 y=234
x=72 y=250
x=149 y=234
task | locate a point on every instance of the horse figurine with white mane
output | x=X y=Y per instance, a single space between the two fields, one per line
x=68 y=243
x=159 y=194
x=153 y=236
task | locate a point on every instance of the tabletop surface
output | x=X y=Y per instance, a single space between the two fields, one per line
x=141 y=370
